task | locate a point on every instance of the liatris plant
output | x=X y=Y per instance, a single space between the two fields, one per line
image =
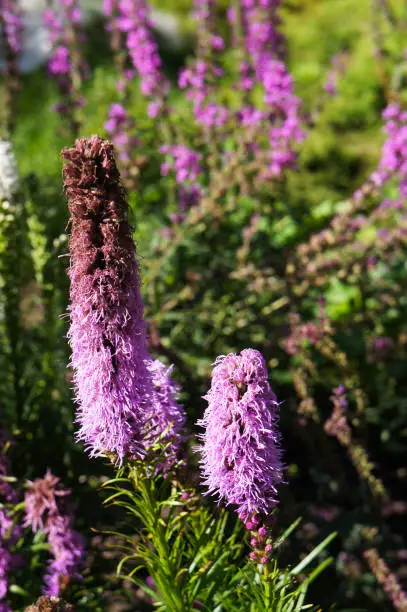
x=120 y=403
x=107 y=331
x=128 y=411
x=241 y=456
x=136 y=55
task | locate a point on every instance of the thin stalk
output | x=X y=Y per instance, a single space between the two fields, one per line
x=156 y=531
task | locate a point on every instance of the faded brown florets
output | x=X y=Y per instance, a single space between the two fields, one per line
x=50 y=604
x=101 y=237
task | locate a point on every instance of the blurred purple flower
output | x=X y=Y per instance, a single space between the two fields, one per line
x=12 y=25
x=47 y=510
x=133 y=20
x=119 y=126
x=185 y=162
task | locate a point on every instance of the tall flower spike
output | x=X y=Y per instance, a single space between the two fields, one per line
x=107 y=332
x=241 y=455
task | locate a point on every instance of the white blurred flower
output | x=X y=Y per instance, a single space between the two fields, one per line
x=8 y=171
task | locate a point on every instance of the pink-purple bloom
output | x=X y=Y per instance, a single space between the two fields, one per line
x=198 y=78
x=261 y=22
x=65 y=63
x=394 y=152
x=107 y=332
x=184 y=161
x=119 y=126
x=241 y=454
x=124 y=399
x=167 y=417
x=187 y=167
x=46 y=509
x=132 y=18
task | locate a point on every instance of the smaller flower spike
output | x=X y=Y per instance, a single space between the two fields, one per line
x=241 y=455
x=107 y=332
x=167 y=417
x=47 y=510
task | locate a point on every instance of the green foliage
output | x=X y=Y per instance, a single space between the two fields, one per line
x=197 y=560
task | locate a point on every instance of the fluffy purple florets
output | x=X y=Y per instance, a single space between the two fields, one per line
x=65 y=63
x=241 y=455
x=46 y=510
x=167 y=418
x=124 y=401
x=107 y=333
x=199 y=78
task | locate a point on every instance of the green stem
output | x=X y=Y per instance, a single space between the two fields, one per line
x=157 y=533
x=268 y=591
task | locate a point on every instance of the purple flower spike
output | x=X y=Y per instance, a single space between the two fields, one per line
x=46 y=510
x=241 y=455
x=167 y=417
x=107 y=333
x=133 y=20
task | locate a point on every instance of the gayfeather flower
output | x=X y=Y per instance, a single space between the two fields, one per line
x=47 y=510
x=107 y=332
x=126 y=401
x=394 y=151
x=186 y=164
x=10 y=16
x=241 y=455
x=167 y=417
x=42 y=501
x=387 y=579
x=280 y=116
x=8 y=171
